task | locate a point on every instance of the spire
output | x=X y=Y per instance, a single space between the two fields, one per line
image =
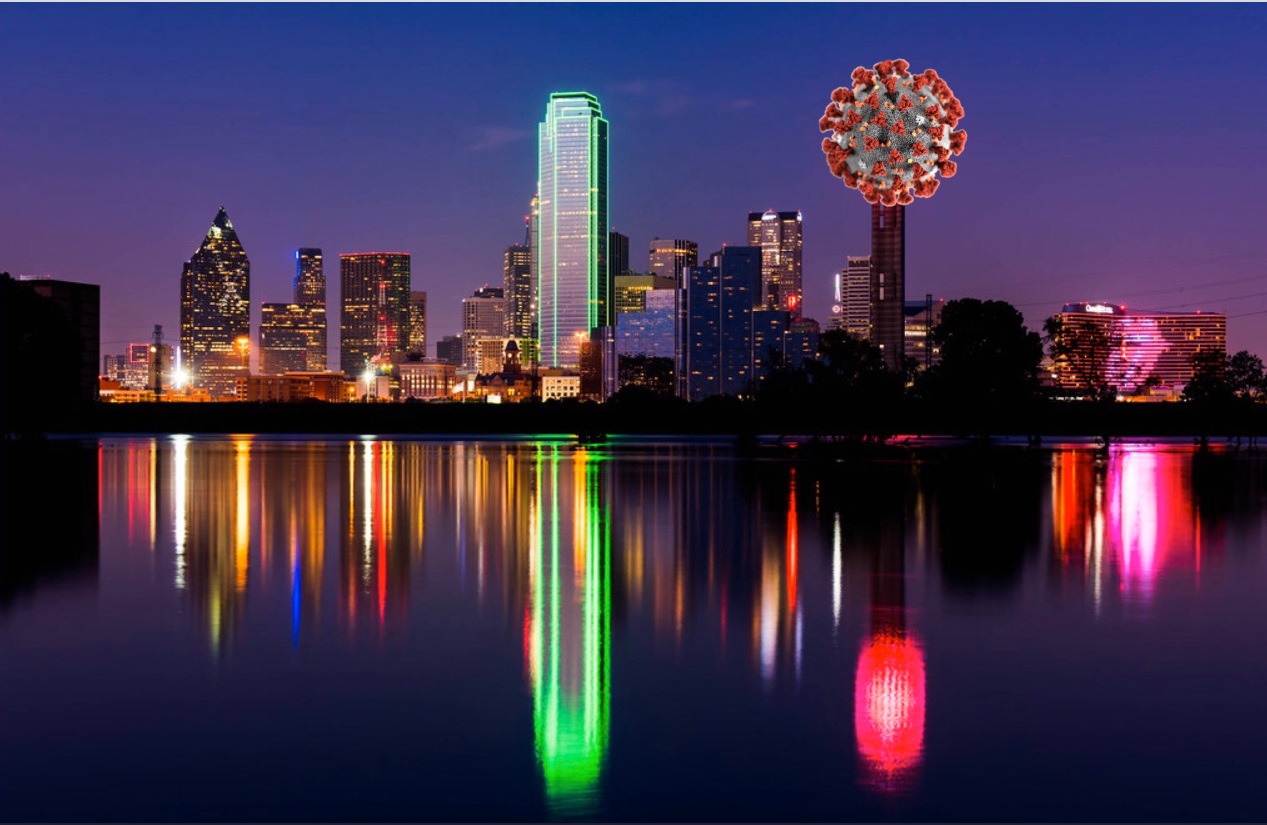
x=221 y=226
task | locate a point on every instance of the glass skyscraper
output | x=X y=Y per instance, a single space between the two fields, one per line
x=574 y=289
x=215 y=310
x=373 y=309
x=779 y=235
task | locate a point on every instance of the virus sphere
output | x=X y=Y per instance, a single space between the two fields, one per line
x=892 y=133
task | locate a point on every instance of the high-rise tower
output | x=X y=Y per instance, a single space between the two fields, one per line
x=215 y=310
x=888 y=281
x=573 y=284
x=373 y=308
x=517 y=287
x=778 y=234
x=672 y=256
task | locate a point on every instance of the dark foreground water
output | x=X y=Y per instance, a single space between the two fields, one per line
x=241 y=629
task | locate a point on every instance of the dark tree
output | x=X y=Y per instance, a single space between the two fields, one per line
x=988 y=357
x=1209 y=384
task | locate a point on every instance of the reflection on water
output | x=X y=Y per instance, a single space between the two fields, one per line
x=612 y=574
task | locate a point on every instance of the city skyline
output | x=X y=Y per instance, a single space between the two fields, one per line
x=295 y=169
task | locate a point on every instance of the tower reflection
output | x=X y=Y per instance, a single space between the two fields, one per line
x=568 y=626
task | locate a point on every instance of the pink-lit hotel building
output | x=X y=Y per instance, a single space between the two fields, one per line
x=1150 y=354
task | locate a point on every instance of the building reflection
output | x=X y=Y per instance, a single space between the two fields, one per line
x=1123 y=519
x=567 y=629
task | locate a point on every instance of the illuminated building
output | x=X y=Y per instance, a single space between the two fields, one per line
x=215 y=309
x=428 y=379
x=517 y=288
x=302 y=385
x=631 y=291
x=501 y=379
x=310 y=278
x=715 y=324
x=418 y=322
x=919 y=319
x=373 y=308
x=490 y=355
x=483 y=319
x=888 y=282
x=652 y=330
x=778 y=234
x=558 y=384
x=449 y=350
x=1147 y=352
x=567 y=627
x=292 y=338
x=670 y=257
x=573 y=288
x=853 y=297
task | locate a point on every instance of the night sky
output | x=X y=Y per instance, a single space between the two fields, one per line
x=1115 y=151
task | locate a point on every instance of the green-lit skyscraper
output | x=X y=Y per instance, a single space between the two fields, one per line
x=573 y=284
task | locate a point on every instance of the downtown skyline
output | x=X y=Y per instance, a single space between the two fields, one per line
x=111 y=169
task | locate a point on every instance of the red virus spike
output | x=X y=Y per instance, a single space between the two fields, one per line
x=895 y=156
x=838 y=166
x=890 y=83
x=919 y=82
x=880 y=120
x=919 y=148
x=842 y=95
x=899 y=128
x=829 y=145
x=870 y=144
x=948 y=168
x=941 y=89
x=833 y=110
x=937 y=132
x=942 y=152
x=901 y=65
x=930 y=186
x=933 y=111
x=852 y=118
x=825 y=123
x=931 y=74
x=878 y=169
x=889 y=198
x=863 y=76
x=918 y=171
x=957 y=141
x=905 y=198
x=904 y=103
x=873 y=101
x=884 y=67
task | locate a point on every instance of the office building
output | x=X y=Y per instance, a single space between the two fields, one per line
x=617 y=254
x=651 y=331
x=292 y=338
x=670 y=257
x=851 y=309
x=517 y=288
x=373 y=309
x=449 y=350
x=574 y=288
x=630 y=291
x=715 y=324
x=1139 y=353
x=483 y=319
x=215 y=310
x=920 y=318
x=778 y=235
x=310 y=293
x=417 y=322
x=427 y=379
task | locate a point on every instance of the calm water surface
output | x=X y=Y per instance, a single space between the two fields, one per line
x=247 y=629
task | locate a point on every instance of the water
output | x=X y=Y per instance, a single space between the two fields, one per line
x=240 y=629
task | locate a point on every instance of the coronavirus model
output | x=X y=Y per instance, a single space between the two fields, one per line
x=892 y=134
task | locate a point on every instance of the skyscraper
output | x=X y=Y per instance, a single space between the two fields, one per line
x=215 y=310
x=517 y=287
x=292 y=338
x=483 y=319
x=418 y=322
x=778 y=234
x=310 y=278
x=373 y=308
x=715 y=353
x=573 y=286
x=855 y=296
x=671 y=256
x=617 y=254
x=888 y=282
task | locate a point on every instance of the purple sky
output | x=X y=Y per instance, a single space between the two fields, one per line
x=1114 y=150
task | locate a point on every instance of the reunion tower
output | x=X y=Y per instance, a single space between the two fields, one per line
x=891 y=134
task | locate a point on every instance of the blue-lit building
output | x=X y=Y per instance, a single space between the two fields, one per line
x=716 y=324
x=653 y=331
